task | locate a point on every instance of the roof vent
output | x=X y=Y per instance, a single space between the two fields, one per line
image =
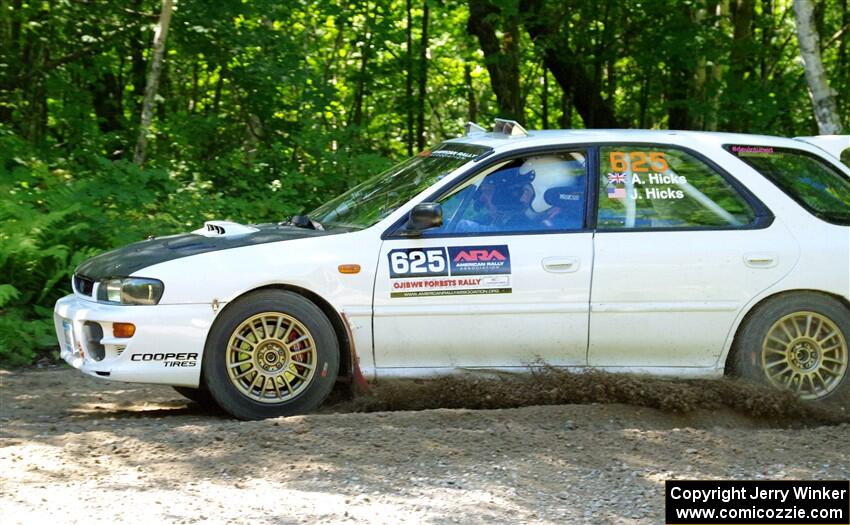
x=510 y=128
x=471 y=128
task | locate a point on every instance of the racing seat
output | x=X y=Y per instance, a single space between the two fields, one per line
x=567 y=208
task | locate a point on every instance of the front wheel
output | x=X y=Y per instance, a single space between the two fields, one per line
x=271 y=354
x=799 y=343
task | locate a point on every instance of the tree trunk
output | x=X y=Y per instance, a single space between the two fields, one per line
x=408 y=77
x=823 y=97
x=714 y=73
x=159 y=38
x=678 y=115
x=193 y=100
x=501 y=56
x=36 y=125
x=360 y=90
x=164 y=91
x=137 y=59
x=423 y=79
x=644 y=101
x=681 y=80
x=470 y=93
x=106 y=92
x=35 y=54
x=566 y=67
x=566 y=121
x=766 y=37
x=739 y=64
x=219 y=85
x=742 y=36
x=599 y=44
x=843 y=69
x=544 y=100
x=9 y=46
x=701 y=71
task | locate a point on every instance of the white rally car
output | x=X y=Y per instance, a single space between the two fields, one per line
x=680 y=254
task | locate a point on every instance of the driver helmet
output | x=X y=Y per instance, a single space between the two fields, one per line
x=513 y=191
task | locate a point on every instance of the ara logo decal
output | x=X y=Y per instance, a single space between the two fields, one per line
x=479 y=260
x=478 y=255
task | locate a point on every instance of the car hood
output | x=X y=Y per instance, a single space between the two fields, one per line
x=134 y=257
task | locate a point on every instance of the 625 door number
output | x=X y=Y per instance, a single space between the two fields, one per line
x=418 y=262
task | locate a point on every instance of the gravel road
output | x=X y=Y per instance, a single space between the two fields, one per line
x=77 y=450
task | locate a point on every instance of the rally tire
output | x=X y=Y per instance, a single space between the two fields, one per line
x=288 y=346
x=807 y=333
x=200 y=395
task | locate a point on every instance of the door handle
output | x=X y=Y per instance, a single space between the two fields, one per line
x=761 y=260
x=561 y=264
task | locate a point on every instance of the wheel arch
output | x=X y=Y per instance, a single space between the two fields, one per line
x=337 y=322
x=728 y=366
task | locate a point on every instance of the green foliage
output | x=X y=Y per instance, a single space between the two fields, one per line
x=56 y=213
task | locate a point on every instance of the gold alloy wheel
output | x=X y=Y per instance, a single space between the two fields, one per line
x=806 y=353
x=271 y=357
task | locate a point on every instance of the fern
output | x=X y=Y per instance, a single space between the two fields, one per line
x=7 y=294
x=57 y=212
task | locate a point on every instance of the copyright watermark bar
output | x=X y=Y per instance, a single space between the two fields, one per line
x=757 y=502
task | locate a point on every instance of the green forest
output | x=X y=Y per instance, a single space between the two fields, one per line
x=120 y=120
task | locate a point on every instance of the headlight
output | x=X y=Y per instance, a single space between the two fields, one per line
x=130 y=290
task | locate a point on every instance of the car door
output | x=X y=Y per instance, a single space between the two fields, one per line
x=680 y=248
x=504 y=282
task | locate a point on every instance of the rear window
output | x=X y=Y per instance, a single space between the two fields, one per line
x=662 y=187
x=811 y=181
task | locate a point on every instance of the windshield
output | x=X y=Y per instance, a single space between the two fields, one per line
x=819 y=187
x=371 y=201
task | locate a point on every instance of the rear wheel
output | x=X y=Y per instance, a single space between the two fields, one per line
x=273 y=353
x=799 y=343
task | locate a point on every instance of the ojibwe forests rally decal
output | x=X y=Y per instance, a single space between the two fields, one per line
x=453 y=270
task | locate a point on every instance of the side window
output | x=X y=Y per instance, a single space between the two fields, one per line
x=845 y=157
x=662 y=187
x=530 y=194
x=807 y=178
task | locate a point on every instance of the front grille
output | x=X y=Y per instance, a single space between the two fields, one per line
x=83 y=285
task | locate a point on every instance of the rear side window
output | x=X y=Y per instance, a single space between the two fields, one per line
x=659 y=187
x=809 y=180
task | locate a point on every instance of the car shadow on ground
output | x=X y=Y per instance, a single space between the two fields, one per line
x=174 y=409
x=442 y=448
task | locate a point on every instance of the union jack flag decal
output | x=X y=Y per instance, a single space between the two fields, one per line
x=617 y=178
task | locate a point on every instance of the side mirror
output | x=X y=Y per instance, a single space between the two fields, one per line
x=424 y=216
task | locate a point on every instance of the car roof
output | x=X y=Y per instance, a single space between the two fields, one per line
x=835 y=145
x=577 y=136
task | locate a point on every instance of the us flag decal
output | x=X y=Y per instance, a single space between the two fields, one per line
x=616 y=193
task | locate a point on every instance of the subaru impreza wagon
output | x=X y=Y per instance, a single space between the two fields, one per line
x=680 y=254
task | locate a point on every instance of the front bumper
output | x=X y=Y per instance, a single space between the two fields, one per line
x=166 y=348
